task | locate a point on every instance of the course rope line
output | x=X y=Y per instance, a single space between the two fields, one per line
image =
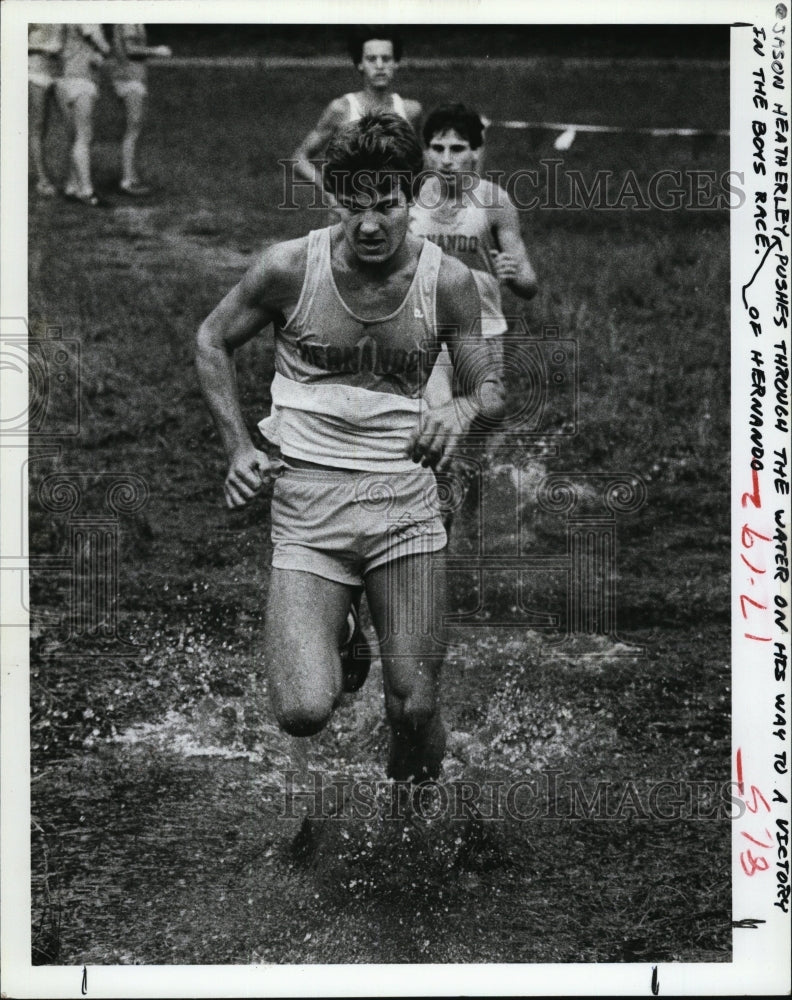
x=633 y=130
x=442 y=62
x=568 y=131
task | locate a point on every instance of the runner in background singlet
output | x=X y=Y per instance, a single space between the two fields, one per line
x=471 y=219
x=376 y=53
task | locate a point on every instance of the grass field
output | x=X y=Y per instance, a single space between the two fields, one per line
x=156 y=777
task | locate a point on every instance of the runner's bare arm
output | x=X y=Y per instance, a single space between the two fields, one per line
x=266 y=292
x=478 y=367
x=125 y=45
x=478 y=362
x=512 y=265
x=313 y=145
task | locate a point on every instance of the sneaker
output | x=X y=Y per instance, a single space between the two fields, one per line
x=45 y=189
x=134 y=189
x=356 y=654
x=90 y=200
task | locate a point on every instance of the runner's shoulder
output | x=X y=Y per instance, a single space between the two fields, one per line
x=339 y=107
x=491 y=195
x=335 y=114
x=452 y=275
x=282 y=265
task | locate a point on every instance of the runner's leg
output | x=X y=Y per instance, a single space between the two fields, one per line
x=407 y=601
x=305 y=624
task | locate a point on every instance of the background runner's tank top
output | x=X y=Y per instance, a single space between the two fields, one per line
x=356 y=108
x=347 y=390
x=463 y=230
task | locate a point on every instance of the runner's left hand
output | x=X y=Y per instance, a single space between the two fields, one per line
x=438 y=434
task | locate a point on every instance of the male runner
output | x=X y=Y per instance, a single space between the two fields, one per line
x=471 y=219
x=359 y=312
x=376 y=52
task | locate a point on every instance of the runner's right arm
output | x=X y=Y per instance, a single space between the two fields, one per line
x=314 y=144
x=265 y=293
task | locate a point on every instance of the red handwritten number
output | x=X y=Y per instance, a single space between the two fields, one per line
x=753 y=497
x=759 y=864
x=750 y=600
x=753 y=569
x=748 y=534
x=750 y=864
x=756 y=795
x=759 y=842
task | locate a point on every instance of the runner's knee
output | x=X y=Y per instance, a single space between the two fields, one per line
x=305 y=719
x=416 y=712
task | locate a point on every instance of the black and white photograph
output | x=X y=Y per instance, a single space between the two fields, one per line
x=395 y=545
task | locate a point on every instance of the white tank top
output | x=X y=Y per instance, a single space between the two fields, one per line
x=347 y=390
x=463 y=230
x=356 y=110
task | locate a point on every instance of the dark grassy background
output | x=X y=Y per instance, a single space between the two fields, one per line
x=560 y=41
x=168 y=849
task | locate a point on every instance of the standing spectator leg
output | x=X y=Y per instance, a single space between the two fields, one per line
x=38 y=113
x=134 y=100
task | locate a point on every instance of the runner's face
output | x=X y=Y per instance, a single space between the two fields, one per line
x=449 y=154
x=378 y=65
x=375 y=223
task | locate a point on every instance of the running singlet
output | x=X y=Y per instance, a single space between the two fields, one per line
x=463 y=230
x=357 y=111
x=347 y=391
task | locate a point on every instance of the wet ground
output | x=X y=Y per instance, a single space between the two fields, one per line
x=206 y=835
x=168 y=811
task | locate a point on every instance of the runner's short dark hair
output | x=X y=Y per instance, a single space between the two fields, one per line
x=381 y=146
x=463 y=120
x=365 y=33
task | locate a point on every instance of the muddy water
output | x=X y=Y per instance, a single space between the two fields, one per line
x=184 y=838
